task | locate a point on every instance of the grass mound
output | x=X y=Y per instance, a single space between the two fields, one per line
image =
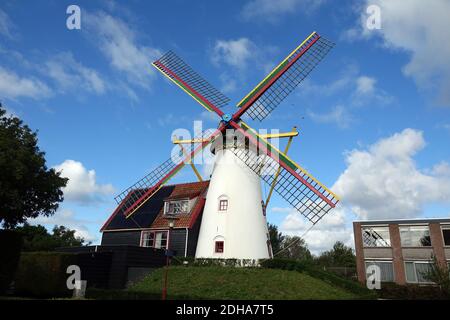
x=240 y=283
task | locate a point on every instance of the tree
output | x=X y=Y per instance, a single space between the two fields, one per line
x=27 y=187
x=339 y=256
x=276 y=238
x=439 y=273
x=295 y=248
x=37 y=238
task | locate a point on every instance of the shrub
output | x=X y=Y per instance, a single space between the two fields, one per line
x=208 y=262
x=10 y=246
x=43 y=274
x=411 y=292
x=103 y=294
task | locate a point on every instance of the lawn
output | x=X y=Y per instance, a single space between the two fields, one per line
x=240 y=283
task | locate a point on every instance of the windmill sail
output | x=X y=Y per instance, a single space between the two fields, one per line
x=135 y=196
x=190 y=81
x=294 y=184
x=284 y=78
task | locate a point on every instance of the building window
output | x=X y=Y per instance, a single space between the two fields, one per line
x=446 y=235
x=177 y=207
x=376 y=237
x=415 y=236
x=219 y=247
x=386 y=269
x=223 y=205
x=154 y=239
x=416 y=271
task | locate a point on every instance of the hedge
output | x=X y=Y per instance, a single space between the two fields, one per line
x=208 y=262
x=43 y=274
x=10 y=246
x=411 y=292
x=103 y=294
x=313 y=271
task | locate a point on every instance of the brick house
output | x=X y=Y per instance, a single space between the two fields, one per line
x=403 y=249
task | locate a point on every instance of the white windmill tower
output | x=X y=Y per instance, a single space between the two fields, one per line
x=234 y=223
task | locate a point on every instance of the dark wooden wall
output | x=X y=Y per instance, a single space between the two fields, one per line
x=120 y=238
x=114 y=261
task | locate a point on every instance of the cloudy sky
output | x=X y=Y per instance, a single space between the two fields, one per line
x=374 y=117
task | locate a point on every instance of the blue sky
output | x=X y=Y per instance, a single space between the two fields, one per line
x=374 y=117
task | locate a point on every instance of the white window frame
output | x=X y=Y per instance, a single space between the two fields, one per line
x=413 y=226
x=375 y=227
x=154 y=233
x=415 y=271
x=176 y=204
x=444 y=227
x=380 y=261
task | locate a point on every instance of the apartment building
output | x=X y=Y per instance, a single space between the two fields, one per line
x=403 y=249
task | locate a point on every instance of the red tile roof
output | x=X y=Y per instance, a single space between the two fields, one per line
x=187 y=190
x=150 y=215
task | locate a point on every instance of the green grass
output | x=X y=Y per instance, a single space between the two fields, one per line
x=240 y=283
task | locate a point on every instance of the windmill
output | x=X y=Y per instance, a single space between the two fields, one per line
x=233 y=222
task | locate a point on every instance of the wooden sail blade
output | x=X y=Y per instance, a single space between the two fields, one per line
x=135 y=196
x=284 y=78
x=297 y=186
x=180 y=73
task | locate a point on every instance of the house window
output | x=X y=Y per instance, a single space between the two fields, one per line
x=416 y=271
x=223 y=205
x=386 y=270
x=219 y=247
x=376 y=237
x=154 y=239
x=446 y=235
x=415 y=236
x=177 y=207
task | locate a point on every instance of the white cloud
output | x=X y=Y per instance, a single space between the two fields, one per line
x=272 y=11
x=234 y=53
x=420 y=29
x=361 y=90
x=6 y=25
x=82 y=186
x=13 y=86
x=383 y=182
x=365 y=85
x=118 y=42
x=338 y=115
x=331 y=228
x=69 y=74
x=67 y=218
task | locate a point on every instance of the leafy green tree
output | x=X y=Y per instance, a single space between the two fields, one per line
x=27 y=187
x=294 y=247
x=37 y=238
x=340 y=256
x=276 y=237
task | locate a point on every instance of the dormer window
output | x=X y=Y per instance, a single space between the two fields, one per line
x=176 y=207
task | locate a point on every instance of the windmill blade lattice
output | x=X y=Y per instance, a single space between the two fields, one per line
x=286 y=77
x=184 y=76
x=305 y=193
x=137 y=193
